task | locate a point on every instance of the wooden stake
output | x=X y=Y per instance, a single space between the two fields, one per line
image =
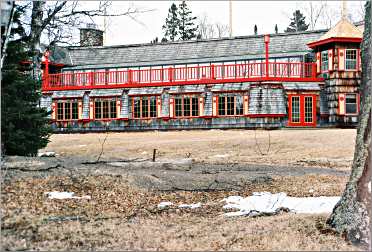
x=153 y=155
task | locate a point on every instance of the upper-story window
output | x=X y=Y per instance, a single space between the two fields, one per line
x=230 y=104
x=324 y=61
x=105 y=108
x=67 y=110
x=351 y=59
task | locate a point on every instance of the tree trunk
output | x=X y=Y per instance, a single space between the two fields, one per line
x=351 y=215
x=34 y=38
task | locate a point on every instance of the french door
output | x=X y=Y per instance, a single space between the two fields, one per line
x=302 y=110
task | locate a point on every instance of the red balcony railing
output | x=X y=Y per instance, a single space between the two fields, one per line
x=182 y=76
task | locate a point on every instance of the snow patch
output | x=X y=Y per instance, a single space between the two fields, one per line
x=191 y=206
x=265 y=202
x=164 y=204
x=46 y=154
x=221 y=156
x=64 y=195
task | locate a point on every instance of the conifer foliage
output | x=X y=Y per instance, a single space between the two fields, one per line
x=297 y=22
x=179 y=25
x=187 y=27
x=171 y=23
x=24 y=125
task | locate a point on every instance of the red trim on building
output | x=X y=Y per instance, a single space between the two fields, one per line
x=330 y=40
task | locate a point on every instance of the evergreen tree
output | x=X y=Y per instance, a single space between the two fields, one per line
x=171 y=24
x=297 y=23
x=187 y=27
x=255 y=29
x=24 y=125
x=276 y=29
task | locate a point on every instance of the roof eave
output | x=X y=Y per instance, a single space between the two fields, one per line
x=314 y=44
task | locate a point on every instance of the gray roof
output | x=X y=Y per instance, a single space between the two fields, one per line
x=225 y=49
x=68 y=94
x=311 y=86
x=187 y=89
x=146 y=91
x=106 y=92
x=230 y=87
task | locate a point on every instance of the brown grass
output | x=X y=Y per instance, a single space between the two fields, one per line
x=122 y=217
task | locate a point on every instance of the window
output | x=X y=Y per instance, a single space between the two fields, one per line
x=144 y=107
x=351 y=104
x=295 y=109
x=67 y=110
x=324 y=61
x=105 y=108
x=308 y=109
x=351 y=59
x=186 y=106
x=230 y=104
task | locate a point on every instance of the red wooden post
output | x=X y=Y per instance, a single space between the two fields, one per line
x=267 y=40
x=170 y=74
x=129 y=76
x=212 y=72
x=46 y=70
x=313 y=74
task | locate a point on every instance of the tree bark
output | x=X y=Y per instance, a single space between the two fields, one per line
x=352 y=214
x=34 y=37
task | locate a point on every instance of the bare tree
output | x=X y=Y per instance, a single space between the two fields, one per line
x=352 y=214
x=222 y=30
x=56 y=20
x=314 y=12
x=208 y=30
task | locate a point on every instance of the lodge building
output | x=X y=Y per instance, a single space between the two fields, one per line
x=301 y=79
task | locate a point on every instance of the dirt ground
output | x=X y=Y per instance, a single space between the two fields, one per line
x=331 y=148
x=191 y=166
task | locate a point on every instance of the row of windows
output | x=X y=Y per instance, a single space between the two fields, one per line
x=184 y=106
x=350 y=60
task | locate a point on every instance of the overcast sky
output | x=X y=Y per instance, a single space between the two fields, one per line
x=124 y=30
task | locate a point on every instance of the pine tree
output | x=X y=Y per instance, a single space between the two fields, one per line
x=276 y=29
x=24 y=125
x=297 y=23
x=255 y=29
x=187 y=27
x=171 y=24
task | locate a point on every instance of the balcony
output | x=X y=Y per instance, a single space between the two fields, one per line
x=213 y=74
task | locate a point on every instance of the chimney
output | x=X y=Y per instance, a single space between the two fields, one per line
x=91 y=36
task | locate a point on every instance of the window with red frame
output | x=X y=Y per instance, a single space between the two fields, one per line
x=144 y=107
x=105 y=108
x=186 y=106
x=351 y=104
x=67 y=110
x=230 y=104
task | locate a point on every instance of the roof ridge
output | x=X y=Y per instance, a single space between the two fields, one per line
x=196 y=41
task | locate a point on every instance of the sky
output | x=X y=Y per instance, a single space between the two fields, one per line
x=144 y=27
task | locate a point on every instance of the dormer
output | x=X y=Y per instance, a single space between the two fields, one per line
x=338 y=51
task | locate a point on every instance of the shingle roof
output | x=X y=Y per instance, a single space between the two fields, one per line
x=68 y=94
x=225 y=49
x=106 y=92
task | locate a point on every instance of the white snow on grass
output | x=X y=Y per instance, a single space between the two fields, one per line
x=191 y=206
x=46 y=154
x=265 y=202
x=164 y=204
x=64 y=195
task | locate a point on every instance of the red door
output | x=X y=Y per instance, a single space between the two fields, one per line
x=302 y=110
